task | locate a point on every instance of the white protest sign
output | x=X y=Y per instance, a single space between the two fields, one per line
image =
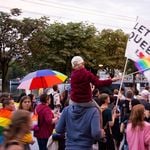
x=139 y=40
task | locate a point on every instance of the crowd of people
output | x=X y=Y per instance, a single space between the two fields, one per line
x=86 y=118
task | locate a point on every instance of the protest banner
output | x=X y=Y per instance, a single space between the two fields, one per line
x=138 y=46
x=138 y=49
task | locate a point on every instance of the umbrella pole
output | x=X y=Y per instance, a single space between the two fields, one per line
x=42 y=82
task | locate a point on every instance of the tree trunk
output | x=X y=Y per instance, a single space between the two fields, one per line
x=68 y=67
x=4 y=76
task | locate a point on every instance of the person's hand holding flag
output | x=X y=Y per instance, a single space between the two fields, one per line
x=114 y=79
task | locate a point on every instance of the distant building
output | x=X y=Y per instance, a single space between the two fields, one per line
x=102 y=74
x=128 y=81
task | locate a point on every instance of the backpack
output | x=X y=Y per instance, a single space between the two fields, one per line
x=125 y=110
x=51 y=105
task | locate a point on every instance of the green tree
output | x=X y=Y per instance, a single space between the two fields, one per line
x=14 y=35
x=60 y=42
x=16 y=71
x=57 y=44
x=111 y=49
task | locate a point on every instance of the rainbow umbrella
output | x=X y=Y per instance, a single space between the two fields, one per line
x=41 y=79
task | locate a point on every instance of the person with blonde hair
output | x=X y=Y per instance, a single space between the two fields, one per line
x=14 y=133
x=138 y=131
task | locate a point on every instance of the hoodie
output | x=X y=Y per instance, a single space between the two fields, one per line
x=45 y=125
x=80 y=85
x=81 y=125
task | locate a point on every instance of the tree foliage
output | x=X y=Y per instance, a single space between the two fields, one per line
x=111 y=49
x=35 y=44
x=60 y=42
x=14 y=35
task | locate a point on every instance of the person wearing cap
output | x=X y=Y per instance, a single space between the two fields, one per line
x=81 y=79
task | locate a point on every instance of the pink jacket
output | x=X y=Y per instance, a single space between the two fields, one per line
x=138 y=139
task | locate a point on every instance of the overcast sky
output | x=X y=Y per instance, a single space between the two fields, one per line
x=114 y=14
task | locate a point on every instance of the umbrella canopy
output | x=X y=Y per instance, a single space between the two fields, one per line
x=41 y=79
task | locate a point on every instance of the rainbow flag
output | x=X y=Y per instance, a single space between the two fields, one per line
x=5 y=117
x=143 y=64
x=5 y=120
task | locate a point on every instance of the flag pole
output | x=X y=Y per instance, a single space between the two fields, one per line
x=122 y=80
x=123 y=75
x=137 y=72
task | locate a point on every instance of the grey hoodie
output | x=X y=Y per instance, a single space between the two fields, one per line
x=81 y=125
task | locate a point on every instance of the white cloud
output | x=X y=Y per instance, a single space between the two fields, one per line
x=103 y=13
